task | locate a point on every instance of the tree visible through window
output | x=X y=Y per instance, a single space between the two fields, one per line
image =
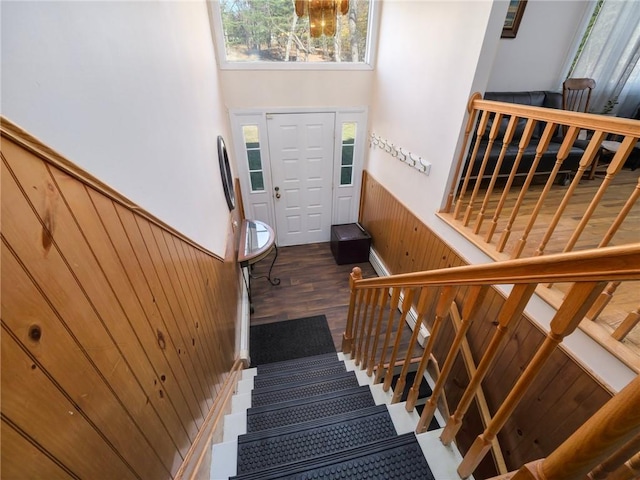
x=270 y=31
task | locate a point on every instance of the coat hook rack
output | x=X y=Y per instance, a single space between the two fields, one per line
x=402 y=154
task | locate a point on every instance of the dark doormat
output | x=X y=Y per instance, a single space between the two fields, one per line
x=290 y=339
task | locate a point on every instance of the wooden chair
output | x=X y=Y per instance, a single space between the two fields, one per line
x=576 y=93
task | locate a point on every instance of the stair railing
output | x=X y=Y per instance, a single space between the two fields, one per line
x=589 y=270
x=531 y=220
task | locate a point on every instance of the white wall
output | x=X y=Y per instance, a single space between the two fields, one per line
x=296 y=88
x=426 y=71
x=128 y=91
x=546 y=41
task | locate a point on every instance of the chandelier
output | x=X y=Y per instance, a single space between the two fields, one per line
x=322 y=15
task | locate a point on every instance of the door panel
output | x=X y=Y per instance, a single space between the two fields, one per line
x=301 y=148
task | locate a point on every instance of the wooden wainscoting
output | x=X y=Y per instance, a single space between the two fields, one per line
x=564 y=394
x=118 y=333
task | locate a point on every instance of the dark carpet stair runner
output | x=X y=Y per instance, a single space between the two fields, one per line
x=310 y=419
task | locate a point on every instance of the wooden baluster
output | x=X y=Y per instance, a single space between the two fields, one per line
x=506 y=140
x=393 y=306
x=587 y=158
x=611 y=427
x=347 y=336
x=602 y=301
x=363 y=323
x=357 y=320
x=542 y=147
x=376 y=336
x=406 y=306
x=612 y=170
x=629 y=471
x=484 y=119
x=563 y=153
x=565 y=321
x=631 y=201
x=421 y=312
x=633 y=318
x=524 y=141
x=374 y=303
x=617 y=460
x=483 y=407
x=493 y=133
x=473 y=301
x=510 y=312
x=607 y=295
x=442 y=312
x=463 y=150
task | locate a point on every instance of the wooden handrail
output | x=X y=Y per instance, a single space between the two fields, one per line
x=587 y=121
x=589 y=270
x=598 y=264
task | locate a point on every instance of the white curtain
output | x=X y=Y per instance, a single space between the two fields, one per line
x=610 y=55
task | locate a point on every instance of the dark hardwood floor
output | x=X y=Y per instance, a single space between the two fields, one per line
x=311 y=283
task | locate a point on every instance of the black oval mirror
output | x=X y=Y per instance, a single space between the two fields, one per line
x=225 y=174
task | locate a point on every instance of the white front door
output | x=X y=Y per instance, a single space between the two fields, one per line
x=301 y=148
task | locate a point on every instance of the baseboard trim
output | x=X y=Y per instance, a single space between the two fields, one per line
x=245 y=318
x=196 y=464
x=382 y=271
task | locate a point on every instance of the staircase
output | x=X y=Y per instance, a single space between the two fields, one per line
x=321 y=417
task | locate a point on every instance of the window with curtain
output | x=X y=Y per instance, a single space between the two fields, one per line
x=609 y=54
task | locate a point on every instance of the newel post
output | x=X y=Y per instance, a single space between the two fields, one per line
x=347 y=336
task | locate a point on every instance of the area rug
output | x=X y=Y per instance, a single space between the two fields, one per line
x=290 y=339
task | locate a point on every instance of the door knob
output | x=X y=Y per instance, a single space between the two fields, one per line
x=277 y=189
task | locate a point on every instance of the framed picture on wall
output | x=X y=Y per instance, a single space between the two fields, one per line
x=514 y=16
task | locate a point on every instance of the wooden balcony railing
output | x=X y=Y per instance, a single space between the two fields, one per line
x=526 y=194
x=379 y=305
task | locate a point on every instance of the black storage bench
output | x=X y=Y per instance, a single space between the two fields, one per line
x=350 y=243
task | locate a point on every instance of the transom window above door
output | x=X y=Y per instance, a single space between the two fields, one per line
x=268 y=34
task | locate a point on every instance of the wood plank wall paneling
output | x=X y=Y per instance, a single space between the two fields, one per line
x=117 y=333
x=564 y=396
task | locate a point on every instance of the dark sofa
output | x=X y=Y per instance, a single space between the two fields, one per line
x=548 y=159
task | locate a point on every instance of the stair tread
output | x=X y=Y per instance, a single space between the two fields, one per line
x=298 y=363
x=295 y=381
x=285 y=445
x=399 y=457
x=303 y=410
x=311 y=374
x=286 y=393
